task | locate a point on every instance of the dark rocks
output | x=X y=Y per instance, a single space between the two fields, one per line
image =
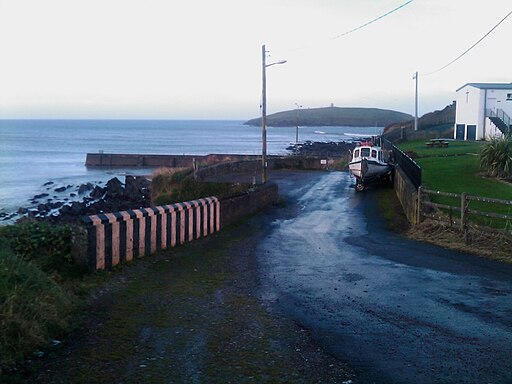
x=84 y=188
x=40 y=196
x=310 y=148
x=77 y=208
x=22 y=211
x=137 y=188
x=57 y=204
x=48 y=183
x=43 y=208
x=114 y=197
x=97 y=192
x=115 y=188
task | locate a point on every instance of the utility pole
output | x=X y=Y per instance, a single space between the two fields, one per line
x=264 y=66
x=416 y=102
x=297 y=126
x=263 y=116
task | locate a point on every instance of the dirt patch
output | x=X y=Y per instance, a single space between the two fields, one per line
x=194 y=315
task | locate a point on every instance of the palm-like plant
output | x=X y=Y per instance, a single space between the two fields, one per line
x=496 y=157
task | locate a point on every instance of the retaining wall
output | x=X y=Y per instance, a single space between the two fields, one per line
x=235 y=208
x=254 y=166
x=407 y=194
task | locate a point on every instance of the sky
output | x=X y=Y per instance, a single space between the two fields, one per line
x=201 y=59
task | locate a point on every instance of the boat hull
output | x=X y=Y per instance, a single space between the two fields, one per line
x=367 y=169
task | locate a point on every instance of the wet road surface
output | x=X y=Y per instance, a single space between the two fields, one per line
x=398 y=311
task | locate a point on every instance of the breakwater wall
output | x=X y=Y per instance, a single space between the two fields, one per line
x=109 y=239
x=172 y=161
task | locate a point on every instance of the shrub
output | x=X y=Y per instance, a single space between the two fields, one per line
x=48 y=246
x=190 y=189
x=33 y=307
x=496 y=157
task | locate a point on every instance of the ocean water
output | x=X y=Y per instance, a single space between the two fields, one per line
x=34 y=152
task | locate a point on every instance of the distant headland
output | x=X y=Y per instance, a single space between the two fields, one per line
x=333 y=116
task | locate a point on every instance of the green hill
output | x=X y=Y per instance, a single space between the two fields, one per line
x=333 y=116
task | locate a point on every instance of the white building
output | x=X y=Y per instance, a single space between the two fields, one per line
x=483 y=110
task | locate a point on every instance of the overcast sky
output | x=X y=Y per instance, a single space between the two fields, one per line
x=202 y=59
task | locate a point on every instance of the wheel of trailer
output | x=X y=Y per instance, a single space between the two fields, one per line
x=359 y=186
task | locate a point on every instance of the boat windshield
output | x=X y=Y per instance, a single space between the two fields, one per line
x=365 y=152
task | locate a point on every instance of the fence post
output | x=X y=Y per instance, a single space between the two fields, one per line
x=463 y=216
x=418 y=206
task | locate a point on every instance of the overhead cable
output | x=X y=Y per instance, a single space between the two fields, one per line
x=372 y=21
x=357 y=28
x=470 y=48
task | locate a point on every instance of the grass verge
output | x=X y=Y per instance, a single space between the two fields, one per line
x=33 y=308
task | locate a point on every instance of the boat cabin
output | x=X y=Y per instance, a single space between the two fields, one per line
x=368 y=152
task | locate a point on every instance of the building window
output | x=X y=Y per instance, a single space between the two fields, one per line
x=509 y=96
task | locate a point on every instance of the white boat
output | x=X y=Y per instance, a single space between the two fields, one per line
x=368 y=164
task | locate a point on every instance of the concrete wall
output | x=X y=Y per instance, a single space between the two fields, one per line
x=236 y=208
x=254 y=166
x=173 y=161
x=186 y=161
x=407 y=194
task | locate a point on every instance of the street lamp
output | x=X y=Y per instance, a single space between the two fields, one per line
x=264 y=112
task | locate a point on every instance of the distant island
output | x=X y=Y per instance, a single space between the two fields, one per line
x=334 y=116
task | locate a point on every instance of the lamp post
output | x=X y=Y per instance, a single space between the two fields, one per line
x=264 y=66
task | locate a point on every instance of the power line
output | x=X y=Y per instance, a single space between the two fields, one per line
x=372 y=21
x=357 y=28
x=470 y=48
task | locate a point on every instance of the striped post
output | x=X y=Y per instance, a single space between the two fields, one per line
x=119 y=237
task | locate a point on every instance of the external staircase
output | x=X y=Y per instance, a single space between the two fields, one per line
x=500 y=119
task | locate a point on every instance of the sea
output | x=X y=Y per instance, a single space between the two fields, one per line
x=38 y=156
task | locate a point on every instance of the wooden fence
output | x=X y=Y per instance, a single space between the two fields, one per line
x=462 y=214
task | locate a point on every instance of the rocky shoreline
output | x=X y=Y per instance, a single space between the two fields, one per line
x=315 y=148
x=66 y=204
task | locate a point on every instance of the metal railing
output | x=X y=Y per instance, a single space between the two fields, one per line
x=500 y=114
x=408 y=165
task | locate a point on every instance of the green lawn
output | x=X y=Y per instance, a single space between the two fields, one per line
x=454 y=148
x=456 y=169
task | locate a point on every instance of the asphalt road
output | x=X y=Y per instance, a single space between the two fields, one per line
x=398 y=311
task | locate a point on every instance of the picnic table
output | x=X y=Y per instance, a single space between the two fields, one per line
x=436 y=143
